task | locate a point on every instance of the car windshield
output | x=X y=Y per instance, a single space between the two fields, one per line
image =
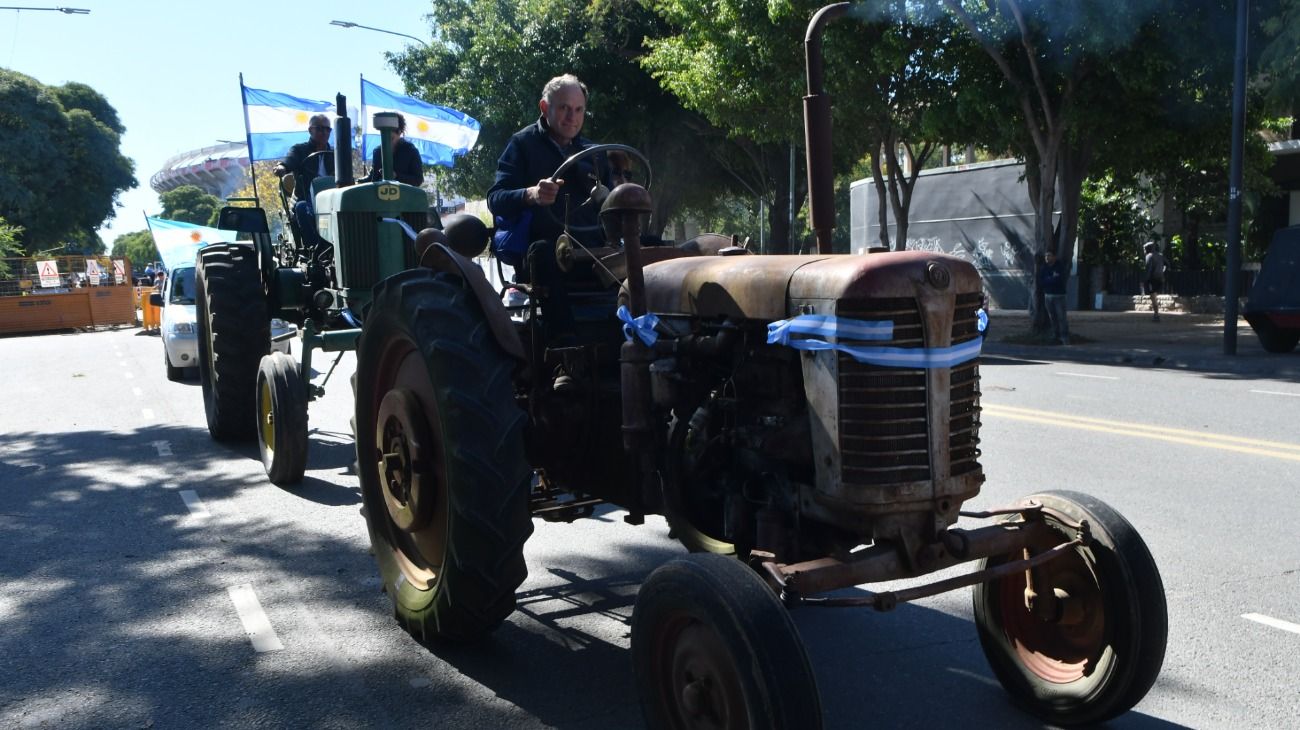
x=182 y=286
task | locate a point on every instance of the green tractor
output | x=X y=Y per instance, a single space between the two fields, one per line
x=805 y=423
x=369 y=230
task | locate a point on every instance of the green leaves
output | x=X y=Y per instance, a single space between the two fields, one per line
x=61 y=166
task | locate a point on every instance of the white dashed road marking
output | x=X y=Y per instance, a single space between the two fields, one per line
x=128 y=375
x=147 y=413
x=137 y=392
x=196 y=506
x=1273 y=622
x=1085 y=375
x=164 y=447
x=256 y=624
x=1276 y=392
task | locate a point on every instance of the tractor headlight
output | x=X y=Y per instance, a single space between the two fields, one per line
x=182 y=328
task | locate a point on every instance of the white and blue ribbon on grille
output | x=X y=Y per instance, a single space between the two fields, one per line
x=643 y=326
x=826 y=326
x=778 y=333
x=406 y=227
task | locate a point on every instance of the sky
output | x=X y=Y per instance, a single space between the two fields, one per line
x=171 y=67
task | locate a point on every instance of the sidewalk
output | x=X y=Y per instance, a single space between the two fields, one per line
x=1192 y=342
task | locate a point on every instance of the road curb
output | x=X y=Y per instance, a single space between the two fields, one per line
x=1277 y=366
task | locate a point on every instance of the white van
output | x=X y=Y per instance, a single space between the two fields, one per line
x=179 y=333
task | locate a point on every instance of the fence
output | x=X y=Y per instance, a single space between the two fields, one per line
x=83 y=294
x=1180 y=283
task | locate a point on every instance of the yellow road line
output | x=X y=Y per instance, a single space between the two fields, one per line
x=1256 y=447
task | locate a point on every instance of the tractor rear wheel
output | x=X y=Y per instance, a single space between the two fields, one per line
x=234 y=334
x=440 y=456
x=712 y=647
x=281 y=419
x=1101 y=650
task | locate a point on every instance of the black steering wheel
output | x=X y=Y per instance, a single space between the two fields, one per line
x=599 y=191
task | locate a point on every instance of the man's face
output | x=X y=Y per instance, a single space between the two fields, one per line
x=565 y=112
x=320 y=133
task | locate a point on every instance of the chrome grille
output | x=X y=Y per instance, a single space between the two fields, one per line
x=883 y=414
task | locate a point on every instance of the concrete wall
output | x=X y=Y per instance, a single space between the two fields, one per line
x=980 y=213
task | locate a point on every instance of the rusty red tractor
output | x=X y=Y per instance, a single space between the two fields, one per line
x=806 y=424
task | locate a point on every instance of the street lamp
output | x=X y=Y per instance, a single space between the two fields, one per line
x=350 y=24
x=65 y=11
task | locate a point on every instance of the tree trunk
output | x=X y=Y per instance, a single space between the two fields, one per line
x=882 y=203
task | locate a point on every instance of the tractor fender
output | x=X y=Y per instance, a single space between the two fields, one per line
x=440 y=257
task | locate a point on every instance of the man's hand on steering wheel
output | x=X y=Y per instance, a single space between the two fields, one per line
x=544 y=192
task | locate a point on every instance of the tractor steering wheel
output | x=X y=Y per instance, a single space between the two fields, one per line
x=600 y=189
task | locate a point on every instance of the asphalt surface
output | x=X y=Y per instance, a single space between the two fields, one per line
x=150 y=577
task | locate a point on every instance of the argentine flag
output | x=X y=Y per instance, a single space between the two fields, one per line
x=276 y=121
x=178 y=243
x=438 y=132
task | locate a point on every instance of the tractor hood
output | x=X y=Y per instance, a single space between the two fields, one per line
x=761 y=287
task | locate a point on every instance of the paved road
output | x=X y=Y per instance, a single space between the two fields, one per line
x=152 y=578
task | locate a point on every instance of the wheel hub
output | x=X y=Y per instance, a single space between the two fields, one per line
x=705 y=686
x=402 y=445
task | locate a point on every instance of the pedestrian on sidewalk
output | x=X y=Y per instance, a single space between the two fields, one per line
x=1154 y=280
x=1052 y=280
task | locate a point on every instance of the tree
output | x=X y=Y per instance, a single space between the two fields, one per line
x=9 y=246
x=138 y=246
x=61 y=168
x=189 y=204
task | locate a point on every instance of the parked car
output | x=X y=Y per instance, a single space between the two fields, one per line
x=180 y=344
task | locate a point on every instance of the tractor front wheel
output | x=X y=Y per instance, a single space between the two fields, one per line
x=1097 y=648
x=281 y=419
x=712 y=647
x=440 y=456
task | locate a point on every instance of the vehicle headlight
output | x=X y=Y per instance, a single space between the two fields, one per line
x=182 y=328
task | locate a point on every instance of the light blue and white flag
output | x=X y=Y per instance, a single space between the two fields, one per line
x=275 y=122
x=178 y=243
x=438 y=132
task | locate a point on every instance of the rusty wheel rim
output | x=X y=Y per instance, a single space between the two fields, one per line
x=699 y=684
x=1069 y=644
x=407 y=461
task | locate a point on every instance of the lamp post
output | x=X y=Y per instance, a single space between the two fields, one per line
x=65 y=11
x=350 y=24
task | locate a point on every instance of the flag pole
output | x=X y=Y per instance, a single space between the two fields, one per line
x=248 y=140
x=362 y=113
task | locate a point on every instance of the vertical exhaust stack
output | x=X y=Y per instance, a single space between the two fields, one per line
x=342 y=143
x=817 y=130
x=386 y=123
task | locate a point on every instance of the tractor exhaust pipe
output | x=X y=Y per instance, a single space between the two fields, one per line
x=817 y=130
x=342 y=143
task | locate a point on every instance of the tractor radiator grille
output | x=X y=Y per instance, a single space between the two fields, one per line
x=884 y=437
x=358 y=260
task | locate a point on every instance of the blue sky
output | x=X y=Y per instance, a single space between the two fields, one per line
x=171 y=67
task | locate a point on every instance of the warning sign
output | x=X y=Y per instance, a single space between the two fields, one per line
x=119 y=271
x=93 y=272
x=49 y=272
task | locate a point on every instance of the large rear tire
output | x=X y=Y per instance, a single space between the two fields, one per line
x=712 y=647
x=440 y=456
x=234 y=334
x=1103 y=650
x=281 y=419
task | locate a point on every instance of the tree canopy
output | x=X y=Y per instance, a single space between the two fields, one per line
x=189 y=204
x=137 y=246
x=61 y=166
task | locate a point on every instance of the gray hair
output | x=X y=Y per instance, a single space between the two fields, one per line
x=562 y=81
x=321 y=120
